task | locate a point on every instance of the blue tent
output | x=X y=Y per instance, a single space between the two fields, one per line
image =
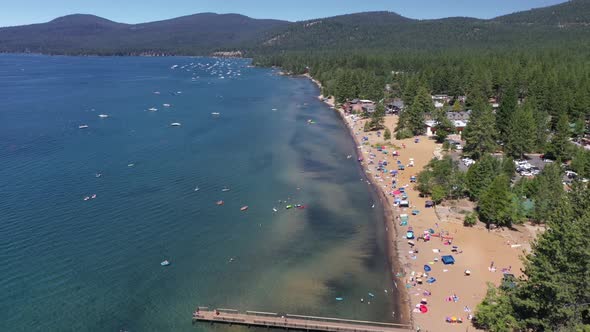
x=448 y=259
x=427 y=268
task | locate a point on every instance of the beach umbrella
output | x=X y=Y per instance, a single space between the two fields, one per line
x=423 y=309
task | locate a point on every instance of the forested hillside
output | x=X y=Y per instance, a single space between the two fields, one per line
x=198 y=34
x=201 y=34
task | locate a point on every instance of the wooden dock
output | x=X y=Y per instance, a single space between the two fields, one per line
x=292 y=322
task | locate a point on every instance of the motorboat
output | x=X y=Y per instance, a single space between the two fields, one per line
x=215 y=113
x=244 y=208
x=175 y=124
x=82 y=126
x=103 y=116
x=93 y=196
x=152 y=109
x=219 y=203
x=225 y=189
x=165 y=263
x=166 y=105
x=274 y=209
x=197 y=188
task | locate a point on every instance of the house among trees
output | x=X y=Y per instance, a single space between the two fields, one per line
x=394 y=106
x=440 y=100
x=359 y=106
x=458 y=119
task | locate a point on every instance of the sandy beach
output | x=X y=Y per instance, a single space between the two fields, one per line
x=486 y=255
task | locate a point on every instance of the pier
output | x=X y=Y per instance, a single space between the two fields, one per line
x=292 y=322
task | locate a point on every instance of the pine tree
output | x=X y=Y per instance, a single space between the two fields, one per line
x=481 y=174
x=559 y=147
x=480 y=131
x=542 y=127
x=378 y=117
x=521 y=132
x=496 y=204
x=457 y=106
x=556 y=273
x=444 y=126
x=421 y=105
x=508 y=105
x=387 y=134
x=546 y=193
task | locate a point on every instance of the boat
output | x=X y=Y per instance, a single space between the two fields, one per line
x=274 y=109
x=215 y=113
x=98 y=175
x=166 y=105
x=86 y=198
x=93 y=196
x=130 y=165
x=373 y=206
x=244 y=208
x=175 y=124
x=225 y=189
x=339 y=298
x=165 y=263
x=197 y=188
x=274 y=209
x=82 y=126
x=103 y=116
x=152 y=109
x=288 y=207
x=371 y=295
x=219 y=203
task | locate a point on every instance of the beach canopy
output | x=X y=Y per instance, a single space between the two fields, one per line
x=448 y=259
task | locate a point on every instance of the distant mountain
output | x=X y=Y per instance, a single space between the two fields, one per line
x=200 y=34
x=560 y=24
x=573 y=12
x=88 y=34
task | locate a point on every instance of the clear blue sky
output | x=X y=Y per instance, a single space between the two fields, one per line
x=17 y=12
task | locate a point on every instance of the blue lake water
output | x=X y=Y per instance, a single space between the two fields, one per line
x=67 y=264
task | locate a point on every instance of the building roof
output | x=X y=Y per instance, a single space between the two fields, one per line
x=459 y=116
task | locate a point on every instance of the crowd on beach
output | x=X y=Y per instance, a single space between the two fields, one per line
x=442 y=273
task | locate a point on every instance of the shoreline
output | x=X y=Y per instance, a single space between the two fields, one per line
x=395 y=259
x=481 y=256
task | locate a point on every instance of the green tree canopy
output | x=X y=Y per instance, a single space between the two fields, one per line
x=496 y=204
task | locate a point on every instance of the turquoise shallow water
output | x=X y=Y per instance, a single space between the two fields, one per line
x=70 y=264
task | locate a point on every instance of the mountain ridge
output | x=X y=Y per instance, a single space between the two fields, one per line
x=204 y=33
